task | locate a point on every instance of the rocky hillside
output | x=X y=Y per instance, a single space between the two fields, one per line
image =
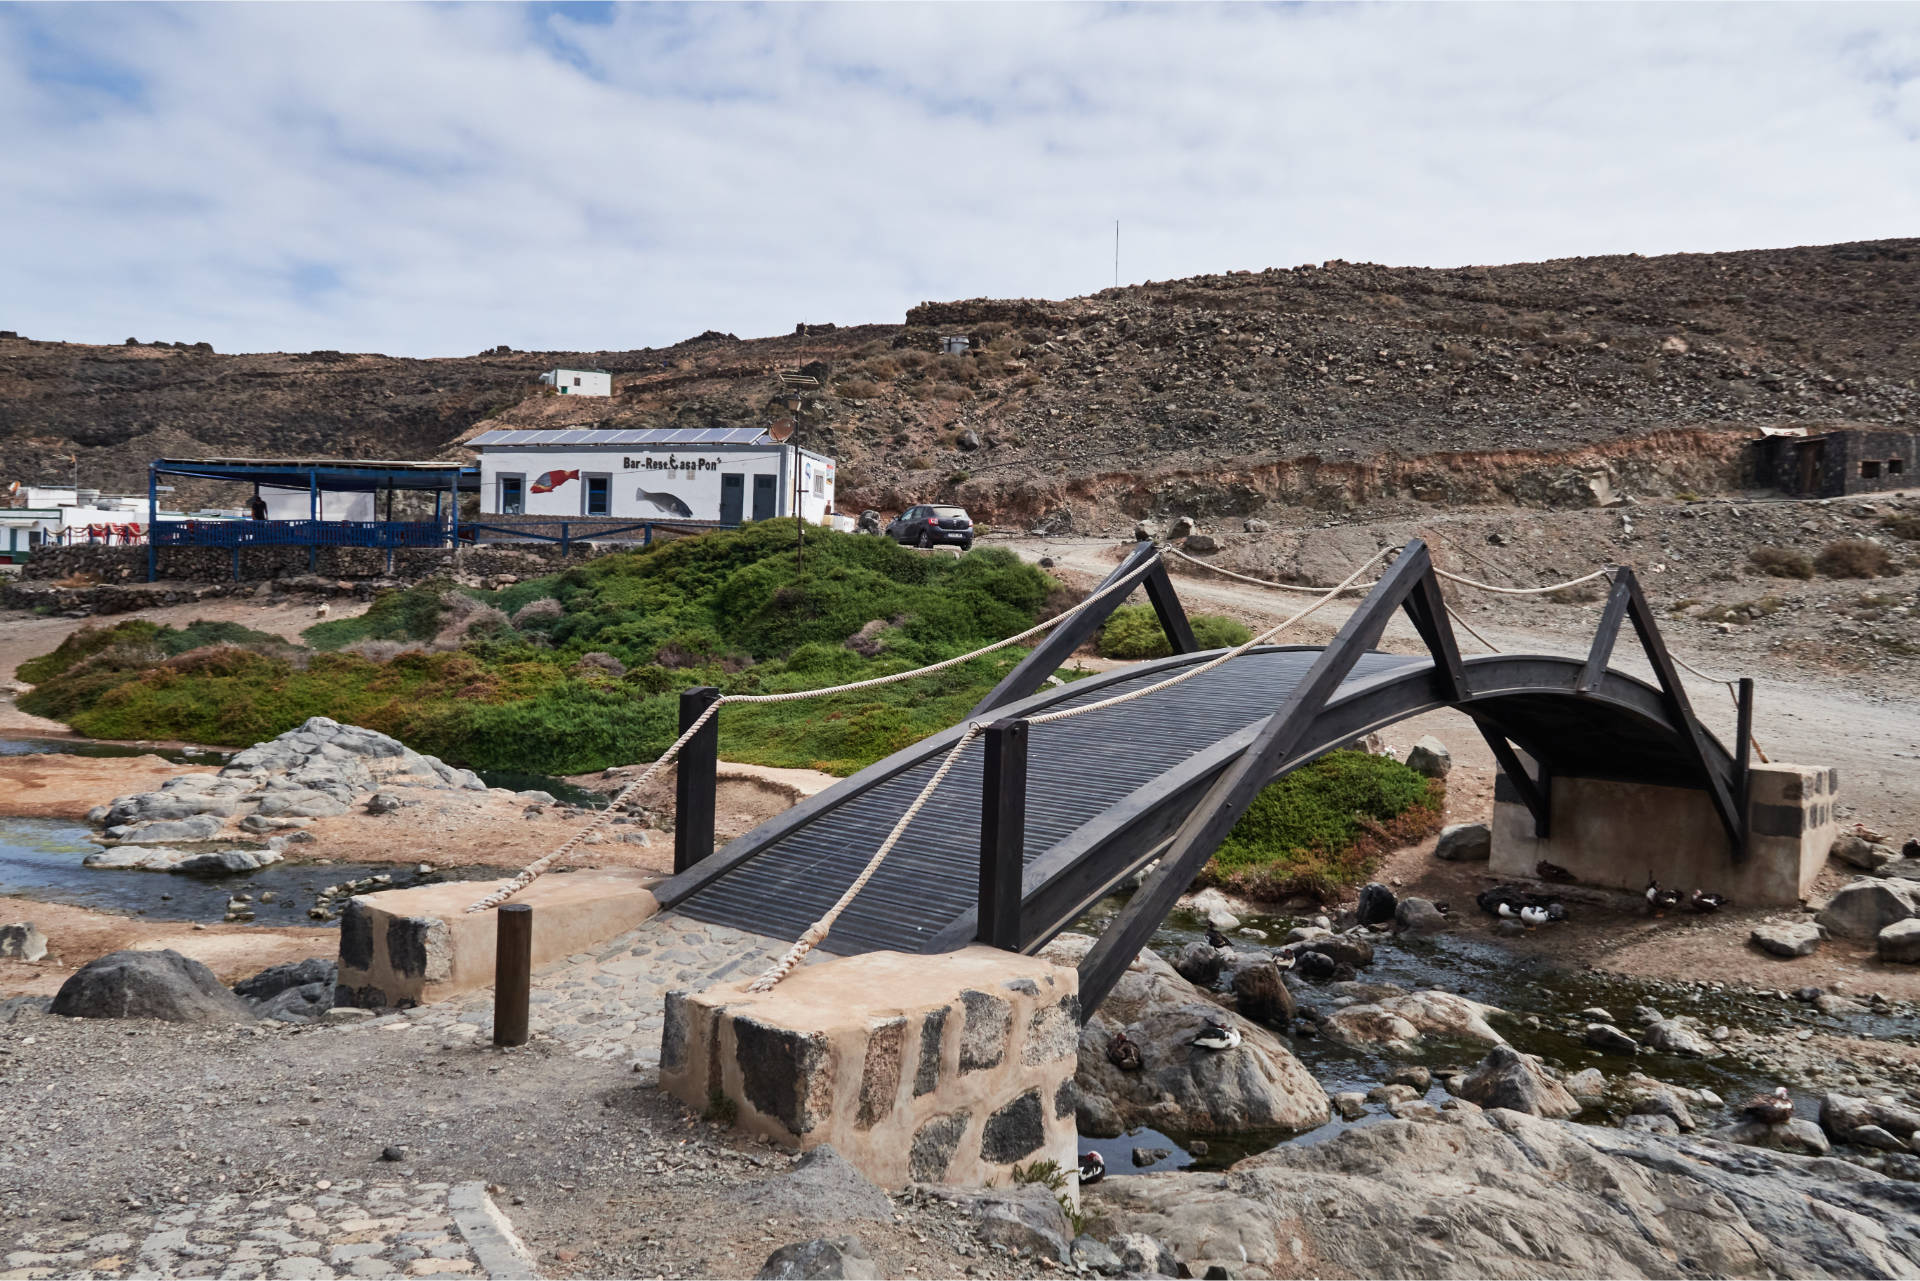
x=1327 y=385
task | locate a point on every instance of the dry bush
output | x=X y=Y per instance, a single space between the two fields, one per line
x=81 y=578
x=466 y=617
x=857 y=389
x=1579 y=594
x=599 y=661
x=383 y=651
x=542 y=610
x=1781 y=562
x=1907 y=527
x=1854 y=558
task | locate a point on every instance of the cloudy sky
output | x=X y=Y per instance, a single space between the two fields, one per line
x=433 y=180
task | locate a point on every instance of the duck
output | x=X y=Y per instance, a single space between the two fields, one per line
x=1217 y=940
x=1551 y=871
x=1702 y=901
x=1769 y=1109
x=1508 y=912
x=1283 y=961
x=1443 y=907
x=1660 y=901
x=1122 y=1053
x=1534 y=916
x=1491 y=900
x=1216 y=1036
x=1093 y=1168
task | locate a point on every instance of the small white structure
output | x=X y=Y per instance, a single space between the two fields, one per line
x=954 y=344
x=47 y=516
x=724 y=474
x=579 y=382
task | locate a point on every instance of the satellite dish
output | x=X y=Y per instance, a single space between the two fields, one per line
x=780 y=429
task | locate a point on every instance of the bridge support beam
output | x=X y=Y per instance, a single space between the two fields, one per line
x=1003 y=834
x=694 y=783
x=1616 y=835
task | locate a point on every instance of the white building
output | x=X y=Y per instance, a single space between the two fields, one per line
x=579 y=382
x=728 y=474
x=47 y=516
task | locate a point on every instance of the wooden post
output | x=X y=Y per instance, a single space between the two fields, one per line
x=694 y=784
x=1742 y=755
x=1003 y=834
x=512 y=974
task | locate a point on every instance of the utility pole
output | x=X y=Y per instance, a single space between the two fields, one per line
x=1116 y=253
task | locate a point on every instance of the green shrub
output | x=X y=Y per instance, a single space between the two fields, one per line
x=1324 y=826
x=1854 y=558
x=1133 y=631
x=728 y=608
x=84 y=644
x=1781 y=562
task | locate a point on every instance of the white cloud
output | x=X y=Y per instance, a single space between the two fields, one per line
x=433 y=180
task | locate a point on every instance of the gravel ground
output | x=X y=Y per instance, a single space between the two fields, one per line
x=602 y=1174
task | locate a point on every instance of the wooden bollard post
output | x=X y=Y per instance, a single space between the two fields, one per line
x=512 y=974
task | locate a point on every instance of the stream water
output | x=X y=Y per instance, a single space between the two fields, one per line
x=1541 y=1001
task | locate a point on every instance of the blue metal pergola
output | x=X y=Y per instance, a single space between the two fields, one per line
x=445 y=480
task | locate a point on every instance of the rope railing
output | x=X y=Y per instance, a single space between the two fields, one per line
x=816 y=932
x=531 y=872
x=1731 y=683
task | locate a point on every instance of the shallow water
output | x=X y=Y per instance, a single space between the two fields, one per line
x=41 y=859
x=89 y=747
x=1542 y=1003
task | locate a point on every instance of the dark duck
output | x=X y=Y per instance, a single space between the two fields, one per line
x=1122 y=1053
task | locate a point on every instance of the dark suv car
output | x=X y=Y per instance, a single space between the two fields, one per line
x=929 y=525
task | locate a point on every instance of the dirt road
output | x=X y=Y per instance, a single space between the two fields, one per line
x=1801 y=713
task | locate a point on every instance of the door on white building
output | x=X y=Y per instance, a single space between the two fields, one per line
x=733 y=493
x=763 y=495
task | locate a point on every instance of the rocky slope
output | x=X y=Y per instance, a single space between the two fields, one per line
x=1326 y=384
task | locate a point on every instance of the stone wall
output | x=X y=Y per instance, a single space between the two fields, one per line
x=949 y=1068
x=215 y=564
x=1615 y=834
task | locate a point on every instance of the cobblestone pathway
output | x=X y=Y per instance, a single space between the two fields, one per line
x=346 y=1229
x=607 y=1004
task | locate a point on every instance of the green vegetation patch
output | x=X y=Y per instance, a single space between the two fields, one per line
x=495 y=679
x=1134 y=631
x=1325 y=826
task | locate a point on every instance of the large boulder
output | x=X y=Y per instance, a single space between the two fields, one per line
x=1414 y=915
x=275 y=979
x=307 y=1003
x=137 y=858
x=1200 y=964
x=1900 y=942
x=1262 y=994
x=1844 y=1116
x=1376 y=907
x=1509 y=1079
x=1795 y=1134
x=1864 y=908
x=1464 y=843
x=1671 y=1036
x=1503 y=1194
x=821 y=1259
x=1857 y=851
x=1787 y=938
x=1024 y=1217
x=1429 y=756
x=148 y=985
x=1348 y=949
x=1394 y=1021
x=1180 y=1088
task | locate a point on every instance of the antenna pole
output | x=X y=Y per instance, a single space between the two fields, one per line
x=1116 y=253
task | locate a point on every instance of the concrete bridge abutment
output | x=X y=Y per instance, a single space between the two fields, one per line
x=1617 y=834
x=944 y=1068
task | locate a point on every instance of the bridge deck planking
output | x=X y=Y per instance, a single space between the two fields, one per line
x=1076 y=769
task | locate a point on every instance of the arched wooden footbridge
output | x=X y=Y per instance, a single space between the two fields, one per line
x=1023 y=836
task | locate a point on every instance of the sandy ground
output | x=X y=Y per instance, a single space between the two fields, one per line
x=76 y=935
x=58 y=786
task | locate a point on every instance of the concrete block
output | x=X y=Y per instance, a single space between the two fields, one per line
x=1615 y=834
x=411 y=947
x=935 y=1069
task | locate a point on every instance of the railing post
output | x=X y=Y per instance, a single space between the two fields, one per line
x=694 y=782
x=512 y=973
x=1003 y=834
x=563 y=555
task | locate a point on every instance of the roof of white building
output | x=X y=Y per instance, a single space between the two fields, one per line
x=630 y=436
